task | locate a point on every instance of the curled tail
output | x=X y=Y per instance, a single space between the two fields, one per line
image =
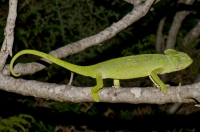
x=12 y=62
x=83 y=70
x=34 y=52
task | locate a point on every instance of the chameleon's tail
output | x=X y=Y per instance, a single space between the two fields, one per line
x=74 y=68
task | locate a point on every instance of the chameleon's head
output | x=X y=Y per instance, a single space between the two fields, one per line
x=178 y=60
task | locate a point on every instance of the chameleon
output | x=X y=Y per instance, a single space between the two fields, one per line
x=128 y=67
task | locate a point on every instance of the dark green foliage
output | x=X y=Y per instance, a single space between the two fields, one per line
x=48 y=25
x=145 y=46
x=78 y=108
x=15 y=123
x=45 y=25
x=41 y=127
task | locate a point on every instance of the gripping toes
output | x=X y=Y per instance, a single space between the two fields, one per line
x=95 y=96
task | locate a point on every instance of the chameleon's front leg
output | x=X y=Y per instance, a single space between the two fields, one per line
x=156 y=80
x=95 y=89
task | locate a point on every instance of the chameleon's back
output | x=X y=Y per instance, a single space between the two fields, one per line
x=131 y=66
x=142 y=65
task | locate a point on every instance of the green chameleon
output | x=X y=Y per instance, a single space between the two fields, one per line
x=122 y=68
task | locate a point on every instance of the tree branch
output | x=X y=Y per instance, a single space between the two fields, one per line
x=184 y=94
x=176 y=24
x=193 y=34
x=137 y=2
x=178 y=19
x=9 y=30
x=137 y=12
x=159 y=36
x=9 y=34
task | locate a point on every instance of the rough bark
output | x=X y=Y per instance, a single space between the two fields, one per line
x=136 y=95
x=176 y=24
x=9 y=30
x=9 y=33
x=159 y=36
x=193 y=34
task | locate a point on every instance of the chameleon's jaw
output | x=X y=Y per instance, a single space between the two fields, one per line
x=185 y=61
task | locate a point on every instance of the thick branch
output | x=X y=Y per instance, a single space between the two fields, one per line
x=9 y=30
x=137 y=2
x=134 y=15
x=9 y=34
x=134 y=2
x=193 y=34
x=177 y=21
x=184 y=94
x=3 y=57
x=159 y=36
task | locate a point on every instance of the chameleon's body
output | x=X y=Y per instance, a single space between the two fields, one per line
x=122 y=68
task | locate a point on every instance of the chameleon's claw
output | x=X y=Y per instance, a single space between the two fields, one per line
x=163 y=89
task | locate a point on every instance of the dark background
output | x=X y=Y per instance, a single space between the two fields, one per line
x=47 y=25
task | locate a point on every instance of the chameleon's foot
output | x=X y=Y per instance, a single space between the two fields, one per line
x=154 y=86
x=163 y=89
x=167 y=85
x=95 y=96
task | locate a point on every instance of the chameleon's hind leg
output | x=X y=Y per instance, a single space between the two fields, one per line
x=116 y=83
x=95 y=89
